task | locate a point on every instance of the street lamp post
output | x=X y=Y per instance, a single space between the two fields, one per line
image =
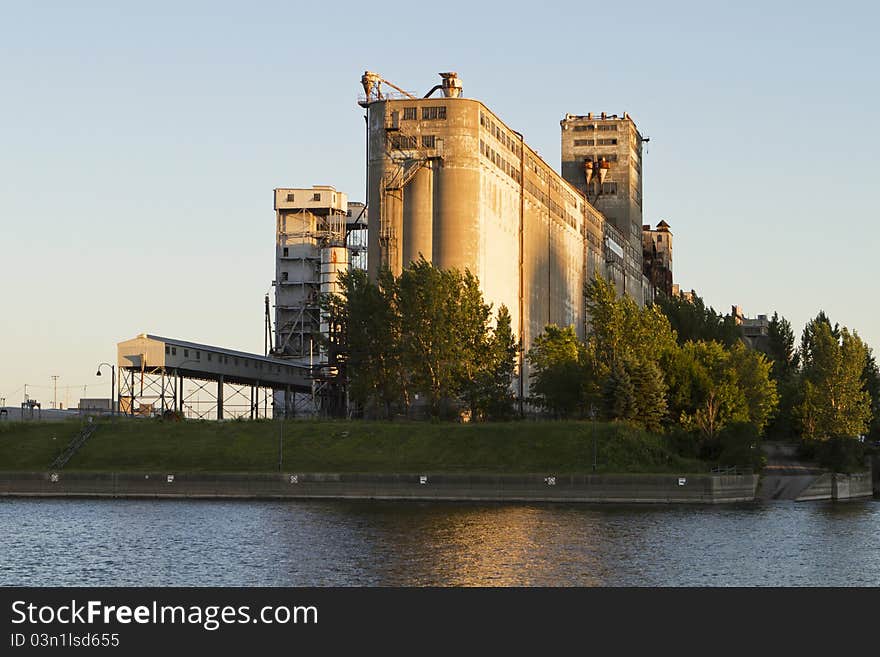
x=113 y=401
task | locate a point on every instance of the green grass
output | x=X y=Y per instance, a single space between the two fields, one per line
x=34 y=445
x=345 y=446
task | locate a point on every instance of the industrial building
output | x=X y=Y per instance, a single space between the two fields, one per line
x=755 y=331
x=657 y=257
x=602 y=159
x=449 y=181
x=157 y=374
x=310 y=250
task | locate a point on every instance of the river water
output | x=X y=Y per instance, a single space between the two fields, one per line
x=321 y=543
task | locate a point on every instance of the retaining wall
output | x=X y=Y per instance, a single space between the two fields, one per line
x=700 y=489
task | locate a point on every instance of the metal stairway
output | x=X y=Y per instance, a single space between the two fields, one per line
x=74 y=446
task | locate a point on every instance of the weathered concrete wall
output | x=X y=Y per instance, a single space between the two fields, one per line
x=852 y=486
x=702 y=489
x=837 y=486
x=821 y=488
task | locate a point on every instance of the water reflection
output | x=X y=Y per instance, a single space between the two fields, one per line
x=130 y=542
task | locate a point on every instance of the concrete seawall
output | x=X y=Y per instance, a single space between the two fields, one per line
x=837 y=486
x=663 y=489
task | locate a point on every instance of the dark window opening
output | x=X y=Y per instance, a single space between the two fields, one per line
x=434 y=113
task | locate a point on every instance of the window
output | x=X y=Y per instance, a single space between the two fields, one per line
x=236 y=361
x=209 y=356
x=198 y=355
x=284 y=276
x=285 y=252
x=428 y=141
x=403 y=142
x=606 y=142
x=610 y=157
x=290 y=198
x=584 y=128
x=186 y=353
x=173 y=351
x=584 y=142
x=434 y=113
x=167 y=350
x=659 y=238
x=316 y=197
x=608 y=127
x=409 y=113
x=608 y=189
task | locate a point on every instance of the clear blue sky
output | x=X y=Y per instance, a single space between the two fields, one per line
x=140 y=143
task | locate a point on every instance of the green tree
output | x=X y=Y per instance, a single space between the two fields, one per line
x=489 y=393
x=780 y=348
x=619 y=394
x=367 y=339
x=444 y=324
x=752 y=371
x=559 y=372
x=692 y=321
x=620 y=330
x=650 y=393
x=707 y=387
x=835 y=400
x=872 y=385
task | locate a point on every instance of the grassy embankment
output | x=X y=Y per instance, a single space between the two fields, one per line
x=125 y=444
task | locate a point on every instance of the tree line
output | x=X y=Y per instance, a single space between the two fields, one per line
x=426 y=342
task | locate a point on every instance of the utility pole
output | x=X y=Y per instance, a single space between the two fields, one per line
x=55 y=393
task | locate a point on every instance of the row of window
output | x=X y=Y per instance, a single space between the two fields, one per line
x=499 y=161
x=603 y=127
x=408 y=142
x=509 y=142
x=197 y=354
x=430 y=113
x=553 y=206
x=608 y=188
x=609 y=157
x=493 y=156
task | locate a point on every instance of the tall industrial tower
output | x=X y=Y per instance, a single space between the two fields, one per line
x=310 y=251
x=602 y=157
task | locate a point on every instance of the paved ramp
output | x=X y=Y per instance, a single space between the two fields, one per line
x=785 y=486
x=785 y=478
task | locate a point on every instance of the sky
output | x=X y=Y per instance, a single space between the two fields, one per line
x=140 y=144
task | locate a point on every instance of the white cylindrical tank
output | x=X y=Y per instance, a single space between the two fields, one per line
x=334 y=260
